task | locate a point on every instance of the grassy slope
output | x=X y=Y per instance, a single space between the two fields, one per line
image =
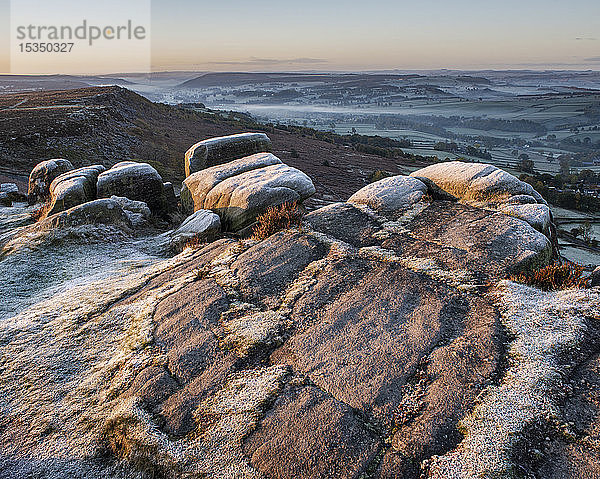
x=110 y=124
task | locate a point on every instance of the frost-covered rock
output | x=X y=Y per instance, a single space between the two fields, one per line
x=521 y=200
x=11 y=191
x=137 y=211
x=99 y=220
x=73 y=188
x=490 y=187
x=476 y=183
x=43 y=175
x=390 y=194
x=537 y=215
x=196 y=186
x=202 y=225
x=102 y=211
x=136 y=181
x=216 y=151
x=363 y=320
x=241 y=190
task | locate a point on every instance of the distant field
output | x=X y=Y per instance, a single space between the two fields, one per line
x=550 y=109
x=494 y=133
x=371 y=129
x=579 y=255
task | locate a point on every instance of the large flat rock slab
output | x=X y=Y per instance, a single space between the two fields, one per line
x=508 y=243
x=267 y=269
x=364 y=340
x=309 y=434
x=377 y=339
x=345 y=222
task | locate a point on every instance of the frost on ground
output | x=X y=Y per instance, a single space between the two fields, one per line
x=548 y=329
x=223 y=421
x=87 y=328
x=63 y=363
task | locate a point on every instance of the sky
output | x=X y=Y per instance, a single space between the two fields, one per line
x=324 y=35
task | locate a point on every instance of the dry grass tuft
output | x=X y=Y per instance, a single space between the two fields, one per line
x=196 y=242
x=277 y=218
x=553 y=277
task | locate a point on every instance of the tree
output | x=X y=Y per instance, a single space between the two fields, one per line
x=586 y=232
x=587 y=176
x=526 y=165
x=565 y=165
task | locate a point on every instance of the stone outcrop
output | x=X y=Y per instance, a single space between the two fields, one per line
x=42 y=176
x=216 y=151
x=201 y=226
x=102 y=220
x=477 y=183
x=379 y=339
x=390 y=194
x=490 y=187
x=136 y=181
x=73 y=188
x=103 y=211
x=137 y=211
x=242 y=189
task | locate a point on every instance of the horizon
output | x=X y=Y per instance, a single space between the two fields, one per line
x=310 y=72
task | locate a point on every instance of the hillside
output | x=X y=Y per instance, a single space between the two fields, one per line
x=110 y=124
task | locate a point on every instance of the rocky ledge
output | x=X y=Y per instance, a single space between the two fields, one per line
x=380 y=338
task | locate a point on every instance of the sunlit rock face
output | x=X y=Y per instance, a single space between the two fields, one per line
x=476 y=182
x=488 y=186
x=242 y=189
x=390 y=194
x=216 y=151
x=43 y=175
x=379 y=339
